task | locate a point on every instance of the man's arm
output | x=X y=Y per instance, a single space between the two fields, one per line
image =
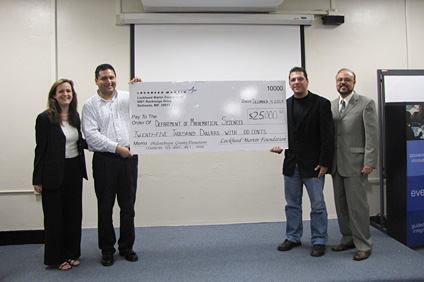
x=371 y=137
x=95 y=140
x=327 y=136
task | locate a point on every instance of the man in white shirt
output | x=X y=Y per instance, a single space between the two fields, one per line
x=105 y=123
x=355 y=157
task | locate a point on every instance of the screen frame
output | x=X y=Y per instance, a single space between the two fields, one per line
x=133 y=48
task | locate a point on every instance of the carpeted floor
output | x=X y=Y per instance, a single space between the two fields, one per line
x=239 y=252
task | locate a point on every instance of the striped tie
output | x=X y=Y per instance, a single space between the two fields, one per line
x=342 y=108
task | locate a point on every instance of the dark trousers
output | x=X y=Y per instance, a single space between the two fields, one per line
x=115 y=177
x=62 y=210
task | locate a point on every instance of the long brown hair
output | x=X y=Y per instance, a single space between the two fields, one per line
x=54 y=108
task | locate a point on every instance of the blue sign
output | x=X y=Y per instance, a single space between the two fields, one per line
x=415 y=190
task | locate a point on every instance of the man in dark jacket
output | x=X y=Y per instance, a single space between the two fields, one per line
x=307 y=160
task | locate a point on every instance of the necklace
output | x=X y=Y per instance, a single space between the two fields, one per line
x=64 y=115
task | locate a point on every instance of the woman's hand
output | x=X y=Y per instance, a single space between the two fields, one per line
x=38 y=188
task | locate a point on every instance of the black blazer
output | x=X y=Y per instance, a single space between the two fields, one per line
x=311 y=141
x=49 y=161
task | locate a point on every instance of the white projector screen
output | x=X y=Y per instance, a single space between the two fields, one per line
x=403 y=88
x=174 y=52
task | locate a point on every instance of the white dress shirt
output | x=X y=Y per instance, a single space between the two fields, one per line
x=106 y=124
x=346 y=99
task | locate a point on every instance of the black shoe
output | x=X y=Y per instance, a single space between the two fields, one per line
x=107 y=259
x=318 y=250
x=288 y=245
x=129 y=255
x=342 y=247
x=361 y=255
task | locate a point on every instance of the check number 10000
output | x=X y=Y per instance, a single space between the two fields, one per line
x=275 y=88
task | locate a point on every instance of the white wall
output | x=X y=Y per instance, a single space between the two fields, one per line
x=182 y=189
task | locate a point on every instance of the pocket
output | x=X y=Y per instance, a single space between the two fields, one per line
x=98 y=166
x=135 y=160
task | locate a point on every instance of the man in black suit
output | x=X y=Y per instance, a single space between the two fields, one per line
x=307 y=160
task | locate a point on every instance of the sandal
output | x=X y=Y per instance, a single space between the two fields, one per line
x=64 y=266
x=73 y=262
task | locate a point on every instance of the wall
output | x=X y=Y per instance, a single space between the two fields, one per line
x=206 y=188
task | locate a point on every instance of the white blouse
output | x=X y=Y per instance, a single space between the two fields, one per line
x=71 y=134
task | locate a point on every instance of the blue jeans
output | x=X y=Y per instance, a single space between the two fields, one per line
x=293 y=193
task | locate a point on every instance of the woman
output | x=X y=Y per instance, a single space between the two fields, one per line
x=59 y=166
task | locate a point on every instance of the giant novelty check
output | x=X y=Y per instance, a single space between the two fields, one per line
x=213 y=116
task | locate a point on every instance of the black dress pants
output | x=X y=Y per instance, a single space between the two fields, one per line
x=115 y=177
x=62 y=210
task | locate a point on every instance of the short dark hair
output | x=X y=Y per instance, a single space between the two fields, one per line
x=103 y=67
x=299 y=69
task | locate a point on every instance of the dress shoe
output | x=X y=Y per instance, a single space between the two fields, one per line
x=107 y=259
x=129 y=255
x=342 y=247
x=361 y=255
x=318 y=250
x=288 y=245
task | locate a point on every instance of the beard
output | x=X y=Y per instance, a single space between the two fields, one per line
x=345 y=92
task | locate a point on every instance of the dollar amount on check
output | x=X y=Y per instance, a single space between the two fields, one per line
x=213 y=116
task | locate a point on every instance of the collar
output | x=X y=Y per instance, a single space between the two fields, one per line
x=104 y=100
x=347 y=99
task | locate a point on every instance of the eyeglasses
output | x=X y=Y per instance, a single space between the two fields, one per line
x=344 y=79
